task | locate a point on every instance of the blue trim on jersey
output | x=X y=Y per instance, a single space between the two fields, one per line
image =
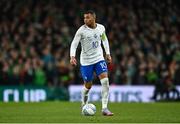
x=98 y=68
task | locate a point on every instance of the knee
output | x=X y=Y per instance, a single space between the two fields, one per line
x=103 y=75
x=88 y=85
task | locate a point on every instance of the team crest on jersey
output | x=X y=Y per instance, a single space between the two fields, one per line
x=95 y=35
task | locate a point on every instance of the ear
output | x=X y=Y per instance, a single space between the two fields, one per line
x=94 y=16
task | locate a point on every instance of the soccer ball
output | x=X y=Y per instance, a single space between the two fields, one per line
x=89 y=109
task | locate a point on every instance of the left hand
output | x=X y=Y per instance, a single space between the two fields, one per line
x=109 y=59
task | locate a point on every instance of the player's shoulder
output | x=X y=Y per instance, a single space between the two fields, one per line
x=100 y=26
x=82 y=28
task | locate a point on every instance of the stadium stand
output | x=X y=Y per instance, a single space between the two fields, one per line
x=35 y=36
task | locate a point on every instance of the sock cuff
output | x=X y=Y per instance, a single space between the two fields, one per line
x=85 y=89
x=104 y=81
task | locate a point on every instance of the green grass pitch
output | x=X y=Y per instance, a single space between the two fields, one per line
x=62 y=112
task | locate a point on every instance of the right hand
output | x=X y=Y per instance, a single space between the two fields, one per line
x=73 y=61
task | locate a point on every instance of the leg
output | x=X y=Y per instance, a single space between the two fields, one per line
x=105 y=89
x=85 y=91
x=105 y=93
x=87 y=75
x=101 y=71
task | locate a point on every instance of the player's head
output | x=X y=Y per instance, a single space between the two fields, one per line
x=89 y=17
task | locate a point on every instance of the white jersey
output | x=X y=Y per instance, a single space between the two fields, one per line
x=90 y=39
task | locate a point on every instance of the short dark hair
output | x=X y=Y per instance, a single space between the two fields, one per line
x=90 y=12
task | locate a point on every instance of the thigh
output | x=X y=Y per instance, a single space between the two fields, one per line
x=101 y=68
x=87 y=73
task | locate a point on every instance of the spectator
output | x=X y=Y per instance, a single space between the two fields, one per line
x=141 y=33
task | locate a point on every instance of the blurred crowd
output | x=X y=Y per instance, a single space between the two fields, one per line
x=35 y=36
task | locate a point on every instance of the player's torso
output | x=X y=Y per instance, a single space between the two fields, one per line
x=91 y=43
x=90 y=39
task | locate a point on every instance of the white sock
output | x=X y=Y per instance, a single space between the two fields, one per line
x=84 y=95
x=105 y=92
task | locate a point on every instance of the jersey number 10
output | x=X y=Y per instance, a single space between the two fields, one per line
x=95 y=44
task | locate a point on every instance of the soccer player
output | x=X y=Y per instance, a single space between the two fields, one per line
x=90 y=35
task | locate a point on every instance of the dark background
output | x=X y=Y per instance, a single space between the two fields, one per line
x=35 y=36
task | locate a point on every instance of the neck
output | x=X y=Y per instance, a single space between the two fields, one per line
x=92 y=25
